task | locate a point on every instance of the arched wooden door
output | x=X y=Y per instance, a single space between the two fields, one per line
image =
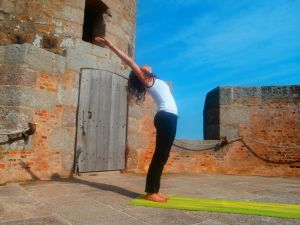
x=101 y=121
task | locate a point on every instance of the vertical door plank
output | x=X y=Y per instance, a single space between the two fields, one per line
x=117 y=120
x=123 y=123
x=92 y=114
x=103 y=121
x=84 y=96
x=113 y=138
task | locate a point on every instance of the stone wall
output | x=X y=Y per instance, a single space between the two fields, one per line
x=264 y=110
x=268 y=119
x=58 y=24
x=40 y=84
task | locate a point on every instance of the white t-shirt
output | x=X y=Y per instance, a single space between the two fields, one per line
x=162 y=96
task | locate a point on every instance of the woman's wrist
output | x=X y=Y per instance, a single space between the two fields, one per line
x=109 y=44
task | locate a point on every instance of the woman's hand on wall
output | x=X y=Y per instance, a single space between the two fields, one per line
x=103 y=41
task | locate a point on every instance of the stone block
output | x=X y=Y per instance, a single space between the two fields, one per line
x=27 y=97
x=69 y=29
x=35 y=57
x=67 y=43
x=295 y=91
x=226 y=95
x=275 y=92
x=104 y=64
x=100 y=51
x=234 y=115
x=66 y=96
x=21 y=7
x=83 y=46
x=17 y=75
x=77 y=3
x=35 y=9
x=14 y=54
x=15 y=117
x=116 y=29
x=72 y=14
x=244 y=93
x=62 y=139
x=8 y=6
x=77 y=60
x=230 y=131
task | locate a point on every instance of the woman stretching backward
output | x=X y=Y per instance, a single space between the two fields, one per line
x=142 y=80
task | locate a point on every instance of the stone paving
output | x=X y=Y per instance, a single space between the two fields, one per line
x=102 y=198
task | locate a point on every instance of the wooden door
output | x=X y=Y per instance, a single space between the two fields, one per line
x=101 y=121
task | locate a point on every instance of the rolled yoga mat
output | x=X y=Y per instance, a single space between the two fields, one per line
x=225 y=206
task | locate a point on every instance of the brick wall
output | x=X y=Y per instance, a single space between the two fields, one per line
x=48 y=98
x=40 y=83
x=266 y=117
x=140 y=135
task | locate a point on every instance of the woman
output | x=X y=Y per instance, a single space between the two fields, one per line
x=142 y=80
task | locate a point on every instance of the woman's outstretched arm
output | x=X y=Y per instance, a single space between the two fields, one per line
x=129 y=61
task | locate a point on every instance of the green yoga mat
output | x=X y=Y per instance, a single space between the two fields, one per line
x=224 y=206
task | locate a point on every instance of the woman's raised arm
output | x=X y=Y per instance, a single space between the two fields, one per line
x=129 y=61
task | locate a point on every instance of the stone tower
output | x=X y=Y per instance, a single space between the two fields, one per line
x=44 y=45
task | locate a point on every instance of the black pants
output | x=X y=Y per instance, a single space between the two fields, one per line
x=165 y=124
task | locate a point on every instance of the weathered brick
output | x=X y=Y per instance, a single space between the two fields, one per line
x=2 y=166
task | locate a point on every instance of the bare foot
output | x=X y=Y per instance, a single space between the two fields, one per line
x=154 y=197
x=162 y=196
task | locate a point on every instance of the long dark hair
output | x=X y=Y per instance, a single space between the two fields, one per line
x=136 y=88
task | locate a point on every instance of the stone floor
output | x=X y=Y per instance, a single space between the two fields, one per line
x=102 y=198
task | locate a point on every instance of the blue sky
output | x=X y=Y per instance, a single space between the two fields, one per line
x=202 y=44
